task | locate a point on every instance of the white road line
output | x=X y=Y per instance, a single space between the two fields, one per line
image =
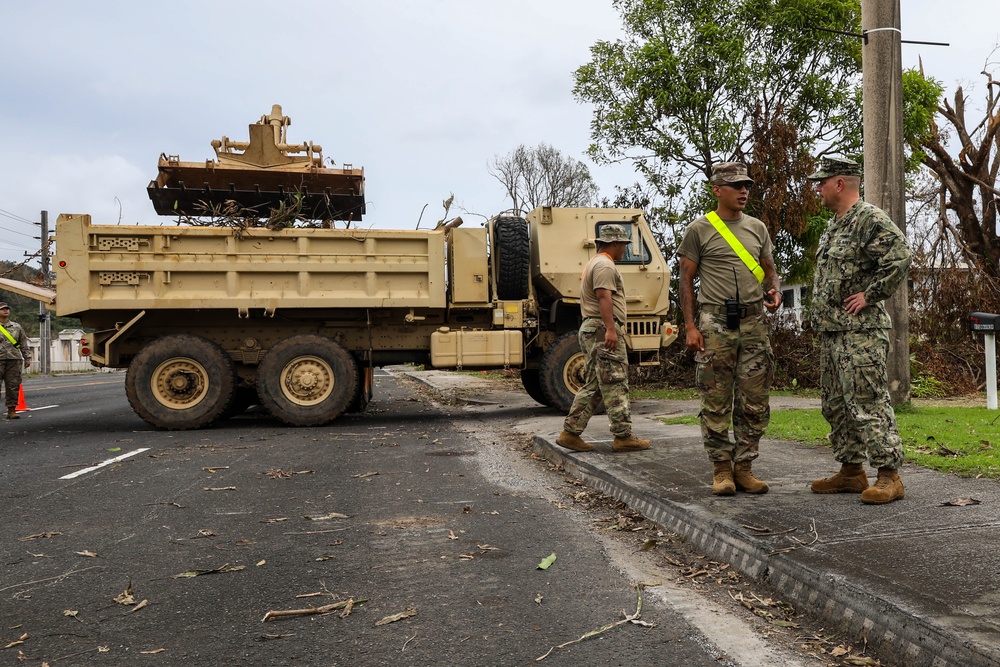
x=104 y=463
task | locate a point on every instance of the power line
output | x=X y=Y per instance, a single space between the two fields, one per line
x=14 y=231
x=14 y=216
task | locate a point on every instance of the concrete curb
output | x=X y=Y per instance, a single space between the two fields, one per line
x=886 y=624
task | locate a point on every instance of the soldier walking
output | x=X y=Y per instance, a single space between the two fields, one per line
x=13 y=354
x=731 y=253
x=862 y=258
x=602 y=339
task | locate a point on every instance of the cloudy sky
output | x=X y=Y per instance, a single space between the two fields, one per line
x=422 y=93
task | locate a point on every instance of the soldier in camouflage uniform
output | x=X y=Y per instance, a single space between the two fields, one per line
x=602 y=340
x=862 y=258
x=735 y=361
x=13 y=354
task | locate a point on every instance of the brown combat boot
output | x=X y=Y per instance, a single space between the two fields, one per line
x=851 y=479
x=744 y=479
x=573 y=441
x=630 y=443
x=12 y=413
x=888 y=487
x=722 y=479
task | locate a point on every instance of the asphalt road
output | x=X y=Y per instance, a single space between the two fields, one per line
x=428 y=517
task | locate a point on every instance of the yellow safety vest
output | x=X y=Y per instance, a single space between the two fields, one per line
x=735 y=244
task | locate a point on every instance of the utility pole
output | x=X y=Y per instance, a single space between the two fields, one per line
x=882 y=91
x=44 y=322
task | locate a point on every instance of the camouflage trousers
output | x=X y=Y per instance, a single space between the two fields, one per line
x=11 y=370
x=855 y=392
x=734 y=376
x=605 y=377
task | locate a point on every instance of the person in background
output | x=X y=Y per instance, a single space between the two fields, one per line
x=732 y=255
x=602 y=339
x=862 y=258
x=13 y=355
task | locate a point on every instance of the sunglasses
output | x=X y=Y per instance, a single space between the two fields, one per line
x=738 y=186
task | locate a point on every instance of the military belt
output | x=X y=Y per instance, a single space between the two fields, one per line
x=617 y=321
x=746 y=310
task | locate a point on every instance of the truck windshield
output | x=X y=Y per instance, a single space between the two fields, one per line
x=637 y=252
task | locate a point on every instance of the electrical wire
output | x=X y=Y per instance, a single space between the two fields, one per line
x=14 y=216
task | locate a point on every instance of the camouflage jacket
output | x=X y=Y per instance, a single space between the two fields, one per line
x=7 y=349
x=864 y=251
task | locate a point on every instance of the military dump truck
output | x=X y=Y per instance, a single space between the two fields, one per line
x=211 y=319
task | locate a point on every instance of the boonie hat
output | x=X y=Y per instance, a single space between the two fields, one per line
x=613 y=234
x=730 y=172
x=3 y=304
x=836 y=166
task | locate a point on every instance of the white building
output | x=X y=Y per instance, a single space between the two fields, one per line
x=64 y=353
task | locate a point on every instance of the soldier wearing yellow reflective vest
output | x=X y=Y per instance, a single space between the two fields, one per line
x=13 y=354
x=732 y=255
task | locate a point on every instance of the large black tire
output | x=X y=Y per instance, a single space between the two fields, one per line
x=180 y=382
x=307 y=380
x=561 y=372
x=511 y=241
x=531 y=379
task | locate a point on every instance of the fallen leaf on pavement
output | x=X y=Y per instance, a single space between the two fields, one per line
x=37 y=536
x=547 y=561
x=219 y=570
x=410 y=611
x=88 y=554
x=215 y=469
x=127 y=596
x=961 y=502
x=324 y=517
x=137 y=607
x=153 y=652
x=278 y=520
x=309 y=611
x=365 y=474
x=221 y=488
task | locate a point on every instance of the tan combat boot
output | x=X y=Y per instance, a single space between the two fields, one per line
x=630 y=443
x=888 y=487
x=744 y=479
x=12 y=413
x=851 y=479
x=573 y=441
x=722 y=479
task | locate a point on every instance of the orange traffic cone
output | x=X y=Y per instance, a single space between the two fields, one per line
x=21 y=405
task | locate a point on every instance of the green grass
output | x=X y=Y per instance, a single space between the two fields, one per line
x=965 y=441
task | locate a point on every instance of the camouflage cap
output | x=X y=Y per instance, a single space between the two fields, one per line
x=730 y=172
x=613 y=234
x=836 y=166
x=3 y=304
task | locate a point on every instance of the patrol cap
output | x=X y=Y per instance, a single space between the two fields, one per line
x=3 y=304
x=613 y=234
x=730 y=172
x=836 y=166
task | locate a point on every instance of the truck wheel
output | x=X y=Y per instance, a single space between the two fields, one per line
x=307 y=380
x=180 y=382
x=561 y=371
x=511 y=245
x=531 y=379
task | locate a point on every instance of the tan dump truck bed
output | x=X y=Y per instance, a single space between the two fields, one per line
x=181 y=267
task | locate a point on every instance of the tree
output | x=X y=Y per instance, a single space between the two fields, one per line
x=543 y=176
x=697 y=82
x=968 y=191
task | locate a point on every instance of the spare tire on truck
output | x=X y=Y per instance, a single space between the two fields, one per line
x=307 y=380
x=511 y=243
x=180 y=382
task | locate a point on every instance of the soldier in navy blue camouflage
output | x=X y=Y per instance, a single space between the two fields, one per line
x=602 y=340
x=862 y=259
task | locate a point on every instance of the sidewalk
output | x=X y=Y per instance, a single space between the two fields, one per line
x=919 y=580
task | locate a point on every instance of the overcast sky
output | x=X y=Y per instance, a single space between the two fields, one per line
x=422 y=94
